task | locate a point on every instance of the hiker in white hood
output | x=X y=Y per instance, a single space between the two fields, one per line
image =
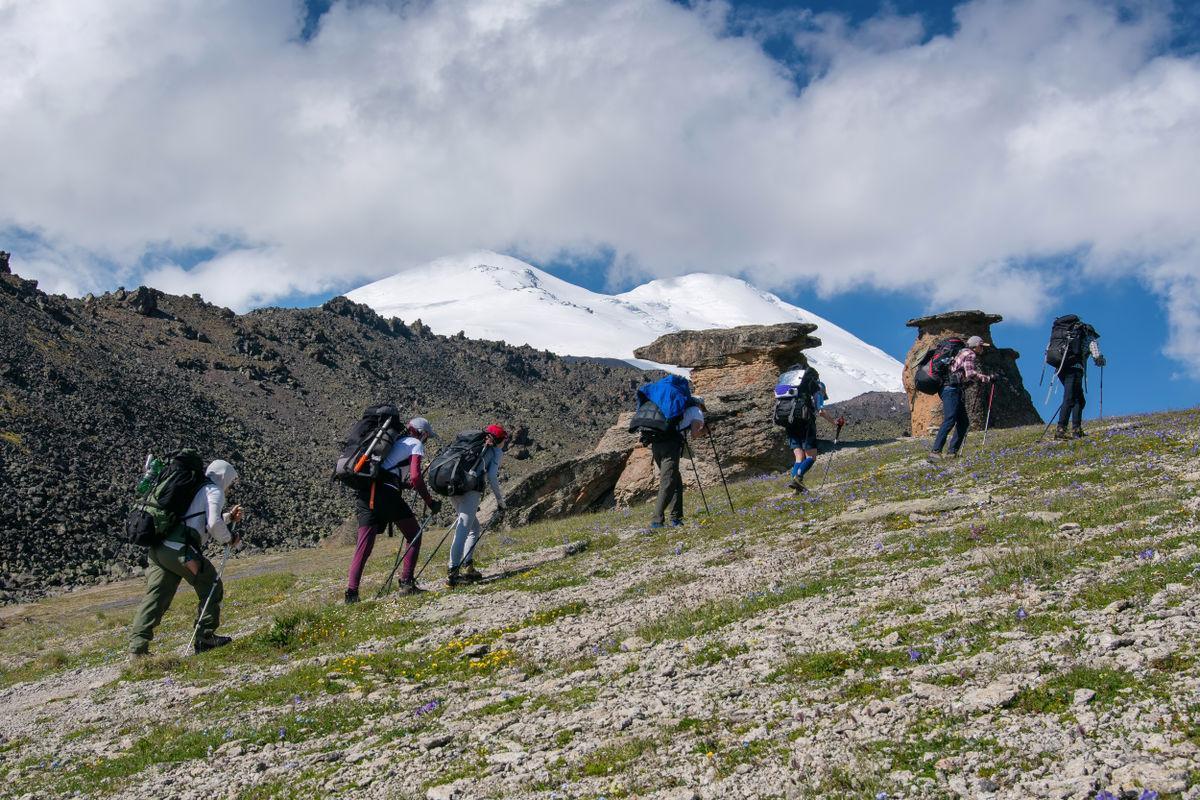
x=180 y=556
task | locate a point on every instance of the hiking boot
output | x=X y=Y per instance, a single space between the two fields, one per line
x=1061 y=433
x=453 y=578
x=797 y=483
x=138 y=656
x=211 y=641
x=351 y=596
x=1078 y=433
x=933 y=457
x=656 y=525
x=471 y=575
x=408 y=587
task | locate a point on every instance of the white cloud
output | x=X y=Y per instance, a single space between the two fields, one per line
x=406 y=131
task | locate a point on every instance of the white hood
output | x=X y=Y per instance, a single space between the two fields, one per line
x=222 y=473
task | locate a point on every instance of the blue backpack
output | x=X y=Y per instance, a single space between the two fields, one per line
x=660 y=409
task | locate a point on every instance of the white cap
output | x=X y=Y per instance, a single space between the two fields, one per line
x=421 y=425
x=977 y=341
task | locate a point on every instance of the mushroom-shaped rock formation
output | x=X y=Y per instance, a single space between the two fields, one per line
x=1011 y=405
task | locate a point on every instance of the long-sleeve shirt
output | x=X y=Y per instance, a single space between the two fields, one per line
x=491 y=468
x=964 y=367
x=409 y=451
x=1092 y=350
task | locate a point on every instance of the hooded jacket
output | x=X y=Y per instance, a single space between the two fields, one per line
x=204 y=515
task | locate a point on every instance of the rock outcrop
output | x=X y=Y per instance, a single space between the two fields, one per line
x=1011 y=405
x=734 y=370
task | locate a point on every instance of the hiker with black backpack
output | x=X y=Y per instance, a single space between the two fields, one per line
x=962 y=370
x=179 y=554
x=1072 y=342
x=460 y=472
x=667 y=413
x=379 y=502
x=800 y=397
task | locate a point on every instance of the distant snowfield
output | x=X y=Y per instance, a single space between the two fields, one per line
x=490 y=296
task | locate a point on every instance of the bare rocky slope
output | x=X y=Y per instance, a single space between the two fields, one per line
x=88 y=387
x=1021 y=622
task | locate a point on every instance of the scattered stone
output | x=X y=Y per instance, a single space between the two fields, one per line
x=1117 y=606
x=1070 y=527
x=436 y=741
x=995 y=695
x=1109 y=641
x=1082 y=697
x=1149 y=775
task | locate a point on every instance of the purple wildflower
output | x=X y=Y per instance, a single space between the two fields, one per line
x=879 y=547
x=679 y=548
x=1148 y=794
x=1022 y=614
x=427 y=708
x=283 y=733
x=914 y=654
x=1146 y=554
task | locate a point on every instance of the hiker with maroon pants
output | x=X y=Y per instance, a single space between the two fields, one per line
x=381 y=502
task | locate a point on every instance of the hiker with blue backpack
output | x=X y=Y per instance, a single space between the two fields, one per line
x=461 y=472
x=379 y=501
x=800 y=397
x=177 y=553
x=962 y=369
x=667 y=413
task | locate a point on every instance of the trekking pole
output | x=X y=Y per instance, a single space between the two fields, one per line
x=204 y=608
x=466 y=559
x=720 y=471
x=1053 y=417
x=400 y=554
x=988 y=420
x=837 y=434
x=699 y=485
x=435 y=549
x=1102 y=393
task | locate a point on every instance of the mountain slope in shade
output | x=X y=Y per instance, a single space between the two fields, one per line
x=490 y=296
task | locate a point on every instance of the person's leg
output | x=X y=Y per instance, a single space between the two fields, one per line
x=676 y=457
x=961 y=422
x=472 y=501
x=1080 y=402
x=796 y=443
x=808 y=449
x=204 y=581
x=410 y=528
x=366 y=543
x=160 y=591
x=659 y=452
x=461 y=530
x=950 y=397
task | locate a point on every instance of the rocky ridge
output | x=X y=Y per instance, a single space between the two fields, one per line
x=88 y=387
x=1020 y=623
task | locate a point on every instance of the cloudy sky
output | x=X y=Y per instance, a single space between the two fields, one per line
x=1003 y=154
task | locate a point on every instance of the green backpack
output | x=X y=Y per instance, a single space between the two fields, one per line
x=164 y=495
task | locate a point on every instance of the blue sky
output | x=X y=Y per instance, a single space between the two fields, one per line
x=868 y=161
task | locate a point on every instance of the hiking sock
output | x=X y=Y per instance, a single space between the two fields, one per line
x=806 y=465
x=795 y=468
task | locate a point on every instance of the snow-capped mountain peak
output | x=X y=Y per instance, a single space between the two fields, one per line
x=492 y=296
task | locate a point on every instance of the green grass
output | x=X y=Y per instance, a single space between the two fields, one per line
x=1056 y=695
x=828 y=664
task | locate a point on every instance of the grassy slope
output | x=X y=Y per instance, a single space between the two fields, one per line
x=773 y=626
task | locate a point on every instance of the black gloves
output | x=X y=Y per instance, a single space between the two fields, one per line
x=435 y=506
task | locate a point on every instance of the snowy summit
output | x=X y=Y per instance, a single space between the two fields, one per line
x=490 y=296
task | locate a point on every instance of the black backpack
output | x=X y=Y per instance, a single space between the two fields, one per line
x=160 y=510
x=795 y=406
x=459 y=467
x=1068 y=338
x=367 y=444
x=652 y=425
x=934 y=368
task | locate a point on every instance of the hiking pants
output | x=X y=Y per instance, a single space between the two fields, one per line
x=466 y=527
x=163 y=574
x=366 y=543
x=667 y=456
x=1073 y=399
x=954 y=415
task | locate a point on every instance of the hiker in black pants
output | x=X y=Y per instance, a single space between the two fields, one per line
x=962 y=371
x=667 y=455
x=1071 y=372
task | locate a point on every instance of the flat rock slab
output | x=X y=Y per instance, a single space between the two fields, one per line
x=924 y=505
x=996 y=695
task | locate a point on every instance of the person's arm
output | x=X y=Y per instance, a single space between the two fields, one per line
x=218 y=528
x=493 y=475
x=968 y=365
x=417 y=481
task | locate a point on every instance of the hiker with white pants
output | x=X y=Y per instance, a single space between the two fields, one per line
x=466 y=525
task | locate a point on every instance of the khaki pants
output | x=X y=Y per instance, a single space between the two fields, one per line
x=163 y=574
x=667 y=456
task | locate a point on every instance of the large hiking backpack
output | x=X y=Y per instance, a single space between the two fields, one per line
x=934 y=368
x=1068 y=342
x=459 y=467
x=367 y=444
x=660 y=409
x=795 y=406
x=161 y=508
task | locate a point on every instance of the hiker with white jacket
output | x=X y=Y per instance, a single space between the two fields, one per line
x=180 y=557
x=466 y=525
